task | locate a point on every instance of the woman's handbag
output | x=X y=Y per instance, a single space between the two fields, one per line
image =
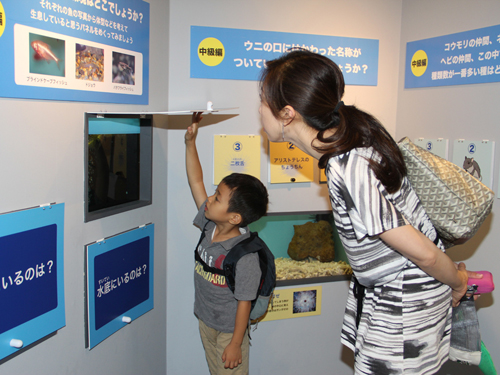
x=455 y=201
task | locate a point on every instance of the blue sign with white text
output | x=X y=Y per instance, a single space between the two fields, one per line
x=120 y=275
x=31 y=276
x=121 y=279
x=78 y=50
x=456 y=59
x=28 y=268
x=223 y=53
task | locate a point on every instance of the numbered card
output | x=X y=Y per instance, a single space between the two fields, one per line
x=236 y=154
x=437 y=146
x=476 y=157
x=289 y=164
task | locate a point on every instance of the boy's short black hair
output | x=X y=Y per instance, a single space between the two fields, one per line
x=249 y=197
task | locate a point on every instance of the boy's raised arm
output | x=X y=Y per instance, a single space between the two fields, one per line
x=193 y=166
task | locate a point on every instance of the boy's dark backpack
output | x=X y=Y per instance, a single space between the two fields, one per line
x=253 y=244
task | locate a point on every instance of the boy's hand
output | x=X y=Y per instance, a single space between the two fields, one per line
x=232 y=356
x=192 y=131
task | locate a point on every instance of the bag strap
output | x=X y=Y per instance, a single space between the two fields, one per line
x=359 y=293
x=197 y=256
x=247 y=246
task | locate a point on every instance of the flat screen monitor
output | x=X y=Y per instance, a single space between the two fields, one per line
x=118 y=163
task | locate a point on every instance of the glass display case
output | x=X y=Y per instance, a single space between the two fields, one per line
x=299 y=251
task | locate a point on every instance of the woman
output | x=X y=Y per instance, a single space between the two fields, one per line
x=401 y=322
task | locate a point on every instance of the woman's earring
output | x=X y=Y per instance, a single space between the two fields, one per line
x=283 y=131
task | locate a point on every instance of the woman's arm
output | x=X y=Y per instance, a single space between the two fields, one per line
x=415 y=246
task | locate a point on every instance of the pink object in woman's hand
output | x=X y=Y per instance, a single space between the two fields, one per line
x=484 y=285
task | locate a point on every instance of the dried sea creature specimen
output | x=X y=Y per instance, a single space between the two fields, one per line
x=312 y=240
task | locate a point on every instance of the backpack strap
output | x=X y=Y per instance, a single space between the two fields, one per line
x=247 y=246
x=197 y=256
x=252 y=244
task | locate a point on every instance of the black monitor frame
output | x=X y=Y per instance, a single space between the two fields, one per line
x=144 y=157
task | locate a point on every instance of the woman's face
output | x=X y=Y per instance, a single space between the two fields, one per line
x=272 y=126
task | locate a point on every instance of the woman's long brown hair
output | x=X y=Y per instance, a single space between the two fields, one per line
x=313 y=85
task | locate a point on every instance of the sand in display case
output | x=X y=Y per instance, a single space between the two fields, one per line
x=306 y=247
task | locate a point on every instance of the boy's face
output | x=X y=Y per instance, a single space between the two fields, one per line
x=217 y=205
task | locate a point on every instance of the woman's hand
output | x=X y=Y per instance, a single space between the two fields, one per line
x=470 y=274
x=458 y=293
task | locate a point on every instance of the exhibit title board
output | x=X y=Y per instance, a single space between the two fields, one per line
x=77 y=50
x=456 y=59
x=31 y=275
x=119 y=281
x=223 y=53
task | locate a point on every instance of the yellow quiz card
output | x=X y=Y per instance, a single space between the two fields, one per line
x=236 y=154
x=289 y=164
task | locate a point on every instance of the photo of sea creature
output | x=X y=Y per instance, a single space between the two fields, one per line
x=304 y=301
x=47 y=55
x=123 y=68
x=89 y=63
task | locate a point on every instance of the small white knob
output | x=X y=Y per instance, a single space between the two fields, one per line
x=15 y=343
x=126 y=319
x=210 y=106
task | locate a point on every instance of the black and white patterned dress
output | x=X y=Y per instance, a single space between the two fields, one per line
x=406 y=317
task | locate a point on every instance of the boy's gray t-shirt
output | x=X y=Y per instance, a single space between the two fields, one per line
x=214 y=302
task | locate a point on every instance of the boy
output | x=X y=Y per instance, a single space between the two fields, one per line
x=239 y=200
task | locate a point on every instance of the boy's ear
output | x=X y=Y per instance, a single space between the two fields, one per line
x=235 y=219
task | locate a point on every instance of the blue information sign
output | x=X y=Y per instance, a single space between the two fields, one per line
x=456 y=59
x=31 y=275
x=128 y=284
x=29 y=270
x=79 y=50
x=119 y=281
x=223 y=53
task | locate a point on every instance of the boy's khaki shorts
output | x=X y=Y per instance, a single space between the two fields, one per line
x=214 y=343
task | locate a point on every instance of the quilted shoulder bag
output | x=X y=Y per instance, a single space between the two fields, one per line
x=455 y=201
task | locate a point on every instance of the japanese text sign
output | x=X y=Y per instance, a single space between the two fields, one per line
x=119 y=281
x=236 y=154
x=294 y=303
x=31 y=275
x=79 y=50
x=456 y=59
x=289 y=164
x=223 y=53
